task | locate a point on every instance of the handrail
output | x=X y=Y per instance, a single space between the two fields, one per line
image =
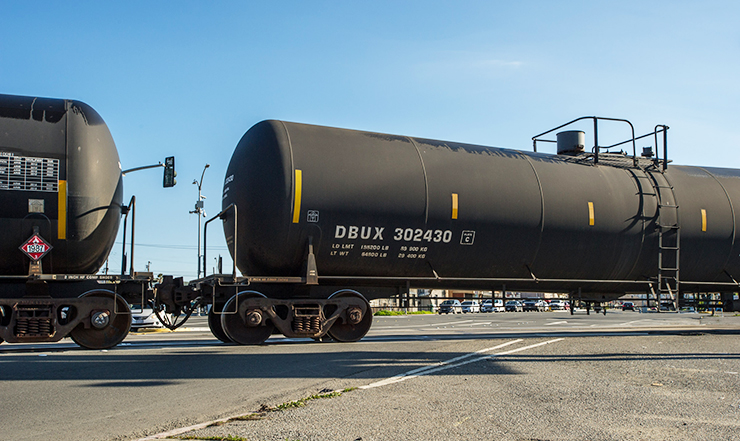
x=222 y=215
x=665 y=144
x=629 y=140
x=124 y=211
x=660 y=128
x=596 y=147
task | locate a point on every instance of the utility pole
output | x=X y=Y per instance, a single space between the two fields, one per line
x=201 y=213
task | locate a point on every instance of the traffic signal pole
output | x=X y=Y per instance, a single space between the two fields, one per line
x=201 y=213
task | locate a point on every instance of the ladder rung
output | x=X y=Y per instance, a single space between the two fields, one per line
x=668 y=248
x=667 y=205
x=668 y=269
x=673 y=227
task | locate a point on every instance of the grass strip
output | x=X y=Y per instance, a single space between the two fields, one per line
x=213 y=438
x=262 y=413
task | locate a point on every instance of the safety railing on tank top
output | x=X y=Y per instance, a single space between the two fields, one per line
x=662 y=162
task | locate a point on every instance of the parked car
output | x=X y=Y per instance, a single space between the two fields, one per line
x=544 y=306
x=667 y=307
x=628 y=306
x=557 y=305
x=531 y=305
x=513 y=306
x=144 y=318
x=498 y=305
x=450 y=306
x=486 y=306
x=470 y=306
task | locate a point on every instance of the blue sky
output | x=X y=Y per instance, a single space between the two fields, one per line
x=188 y=78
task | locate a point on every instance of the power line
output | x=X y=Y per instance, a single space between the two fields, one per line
x=171 y=247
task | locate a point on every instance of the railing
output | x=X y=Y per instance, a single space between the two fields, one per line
x=597 y=148
x=222 y=216
x=125 y=209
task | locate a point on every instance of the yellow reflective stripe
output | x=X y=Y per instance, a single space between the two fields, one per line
x=454 y=205
x=590 y=213
x=703 y=220
x=297 y=200
x=62 y=210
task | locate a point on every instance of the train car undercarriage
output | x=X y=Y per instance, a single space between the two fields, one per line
x=240 y=311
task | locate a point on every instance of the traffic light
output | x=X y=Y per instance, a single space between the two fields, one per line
x=169 y=172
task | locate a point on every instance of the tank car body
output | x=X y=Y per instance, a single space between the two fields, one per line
x=60 y=173
x=60 y=183
x=387 y=210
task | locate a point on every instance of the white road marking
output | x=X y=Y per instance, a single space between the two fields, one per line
x=477 y=323
x=557 y=323
x=630 y=323
x=455 y=362
x=410 y=374
x=463 y=324
x=180 y=431
x=449 y=323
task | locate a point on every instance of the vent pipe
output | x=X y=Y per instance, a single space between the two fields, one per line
x=571 y=142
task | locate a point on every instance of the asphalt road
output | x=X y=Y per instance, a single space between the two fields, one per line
x=475 y=376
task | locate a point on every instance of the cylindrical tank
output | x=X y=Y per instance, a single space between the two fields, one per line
x=377 y=205
x=571 y=142
x=60 y=173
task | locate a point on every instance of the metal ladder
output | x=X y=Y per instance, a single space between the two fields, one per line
x=669 y=239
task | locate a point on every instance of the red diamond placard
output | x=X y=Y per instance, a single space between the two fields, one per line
x=35 y=247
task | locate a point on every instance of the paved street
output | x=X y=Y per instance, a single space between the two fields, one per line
x=158 y=382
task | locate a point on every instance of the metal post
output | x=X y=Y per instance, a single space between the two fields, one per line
x=200 y=212
x=123 y=251
x=596 y=140
x=132 y=207
x=665 y=147
x=199 y=255
x=222 y=216
x=125 y=210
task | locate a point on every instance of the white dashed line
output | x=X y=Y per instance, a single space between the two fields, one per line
x=455 y=362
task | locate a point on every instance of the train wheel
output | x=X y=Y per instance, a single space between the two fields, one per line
x=357 y=324
x=108 y=327
x=246 y=326
x=214 y=322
